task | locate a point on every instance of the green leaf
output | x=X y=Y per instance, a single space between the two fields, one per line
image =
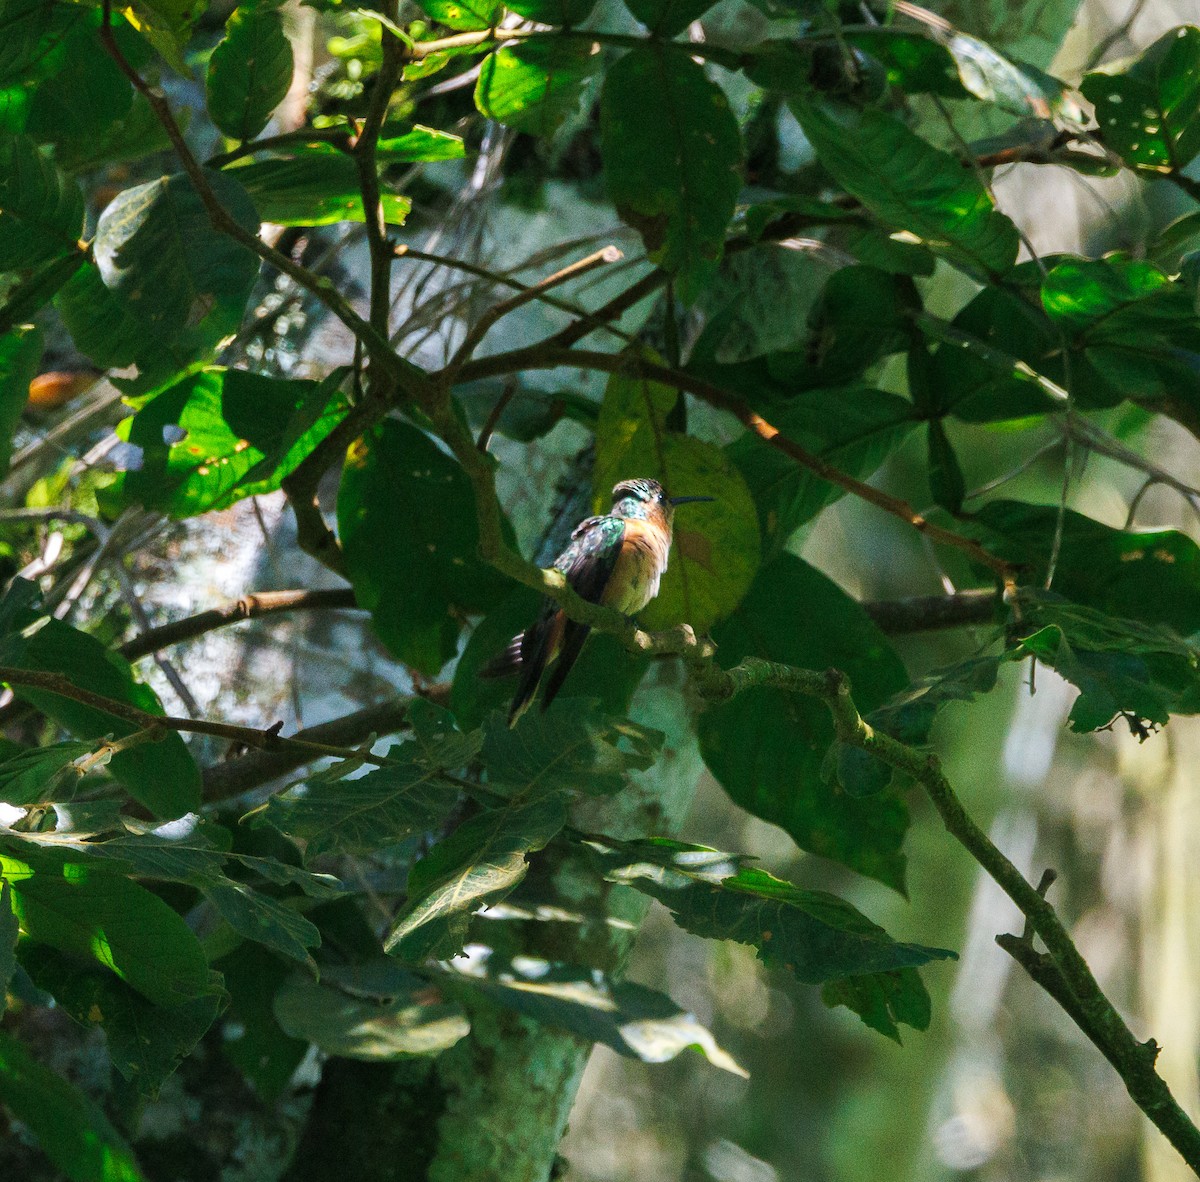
x=672 y=159
x=419 y=145
x=910 y=185
x=528 y=413
x=1133 y=331
x=414 y=1022
x=716 y=547
x=100 y=323
x=1150 y=113
x=908 y=715
x=946 y=483
x=159 y=253
x=914 y=63
x=242 y=435
x=249 y=71
x=571 y=747
x=605 y=671
x=465 y=15
x=766 y=747
x=10 y=931
x=883 y=1000
x=28 y=297
x=535 y=85
x=412 y=568
x=42 y=774
x=665 y=18
x=41 y=209
x=1012 y=85
x=73 y=1133
x=554 y=12
x=265 y=920
x=815 y=935
x=166 y=24
x=162 y=775
x=20 y=356
x=100 y=916
x=855 y=428
x=315 y=188
x=363 y=815
x=138 y=135
x=469 y=871
x=634 y=1021
x=145 y=1042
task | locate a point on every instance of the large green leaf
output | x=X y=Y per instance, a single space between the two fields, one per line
x=855 y=428
x=672 y=159
x=634 y=1021
x=406 y=519
x=472 y=869
x=101 y=916
x=1133 y=330
x=910 y=185
x=716 y=546
x=221 y=435
x=41 y=209
x=162 y=775
x=535 y=85
x=100 y=323
x=20 y=355
x=249 y=71
x=814 y=935
x=1149 y=114
x=312 y=188
x=766 y=747
x=158 y=251
x=414 y=1021
x=74 y=1134
x=41 y=774
x=145 y=1042
x=665 y=18
x=554 y=12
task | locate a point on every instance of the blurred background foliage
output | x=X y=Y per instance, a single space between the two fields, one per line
x=1000 y=1087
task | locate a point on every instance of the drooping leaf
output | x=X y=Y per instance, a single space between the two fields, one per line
x=666 y=18
x=145 y=1042
x=162 y=775
x=476 y=866
x=716 y=548
x=1149 y=114
x=883 y=1001
x=855 y=428
x=672 y=159
x=910 y=185
x=814 y=935
x=766 y=747
x=946 y=482
x=412 y=566
x=312 y=188
x=571 y=747
x=221 y=435
x=20 y=355
x=159 y=253
x=102 y=917
x=417 y=1021
x=41 y=209
x=71 y=1130
x=535 y=85
x=249 y=71
x=634 y=1021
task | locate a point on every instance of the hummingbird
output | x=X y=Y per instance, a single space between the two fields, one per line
x=617 y=560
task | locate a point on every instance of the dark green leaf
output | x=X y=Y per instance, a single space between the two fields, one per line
x=162 y=775
x=317 y=188
x=99 y=322
x=909 y=715
x=71 y=1130
x=915 y=63
x=10 y=930
x=265 y=920
x=883 y=1000
x=672 y=158
x=242 y=435
x=571 y=747
x=412 y=566
x=910 y=185
x=135 y=137
x=814 y=935
x=859 y=772
x=535 y=85
x=100 y=916
x=1150 y=113
x=528 y=413
x=716 y=548
x=249 y=71
x=166 y=24
x=946 y=482
x=473 y=868
x=665 y=18
x=767 y=747
x=159 y=253
x=634 y=1021
x=20 y=356
x=42 y=774
x=554 y=12
x=416 y=1022
x=29 y=296
x=41 y=209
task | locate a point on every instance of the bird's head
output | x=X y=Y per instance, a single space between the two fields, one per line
x=648 y=500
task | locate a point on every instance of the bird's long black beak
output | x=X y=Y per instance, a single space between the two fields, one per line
x=689 y=500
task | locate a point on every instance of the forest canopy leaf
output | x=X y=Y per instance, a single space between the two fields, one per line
x=41 y=209
x=535 y=85
x=249 y=72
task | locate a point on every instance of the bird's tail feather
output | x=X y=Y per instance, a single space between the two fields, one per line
x=507 y=662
